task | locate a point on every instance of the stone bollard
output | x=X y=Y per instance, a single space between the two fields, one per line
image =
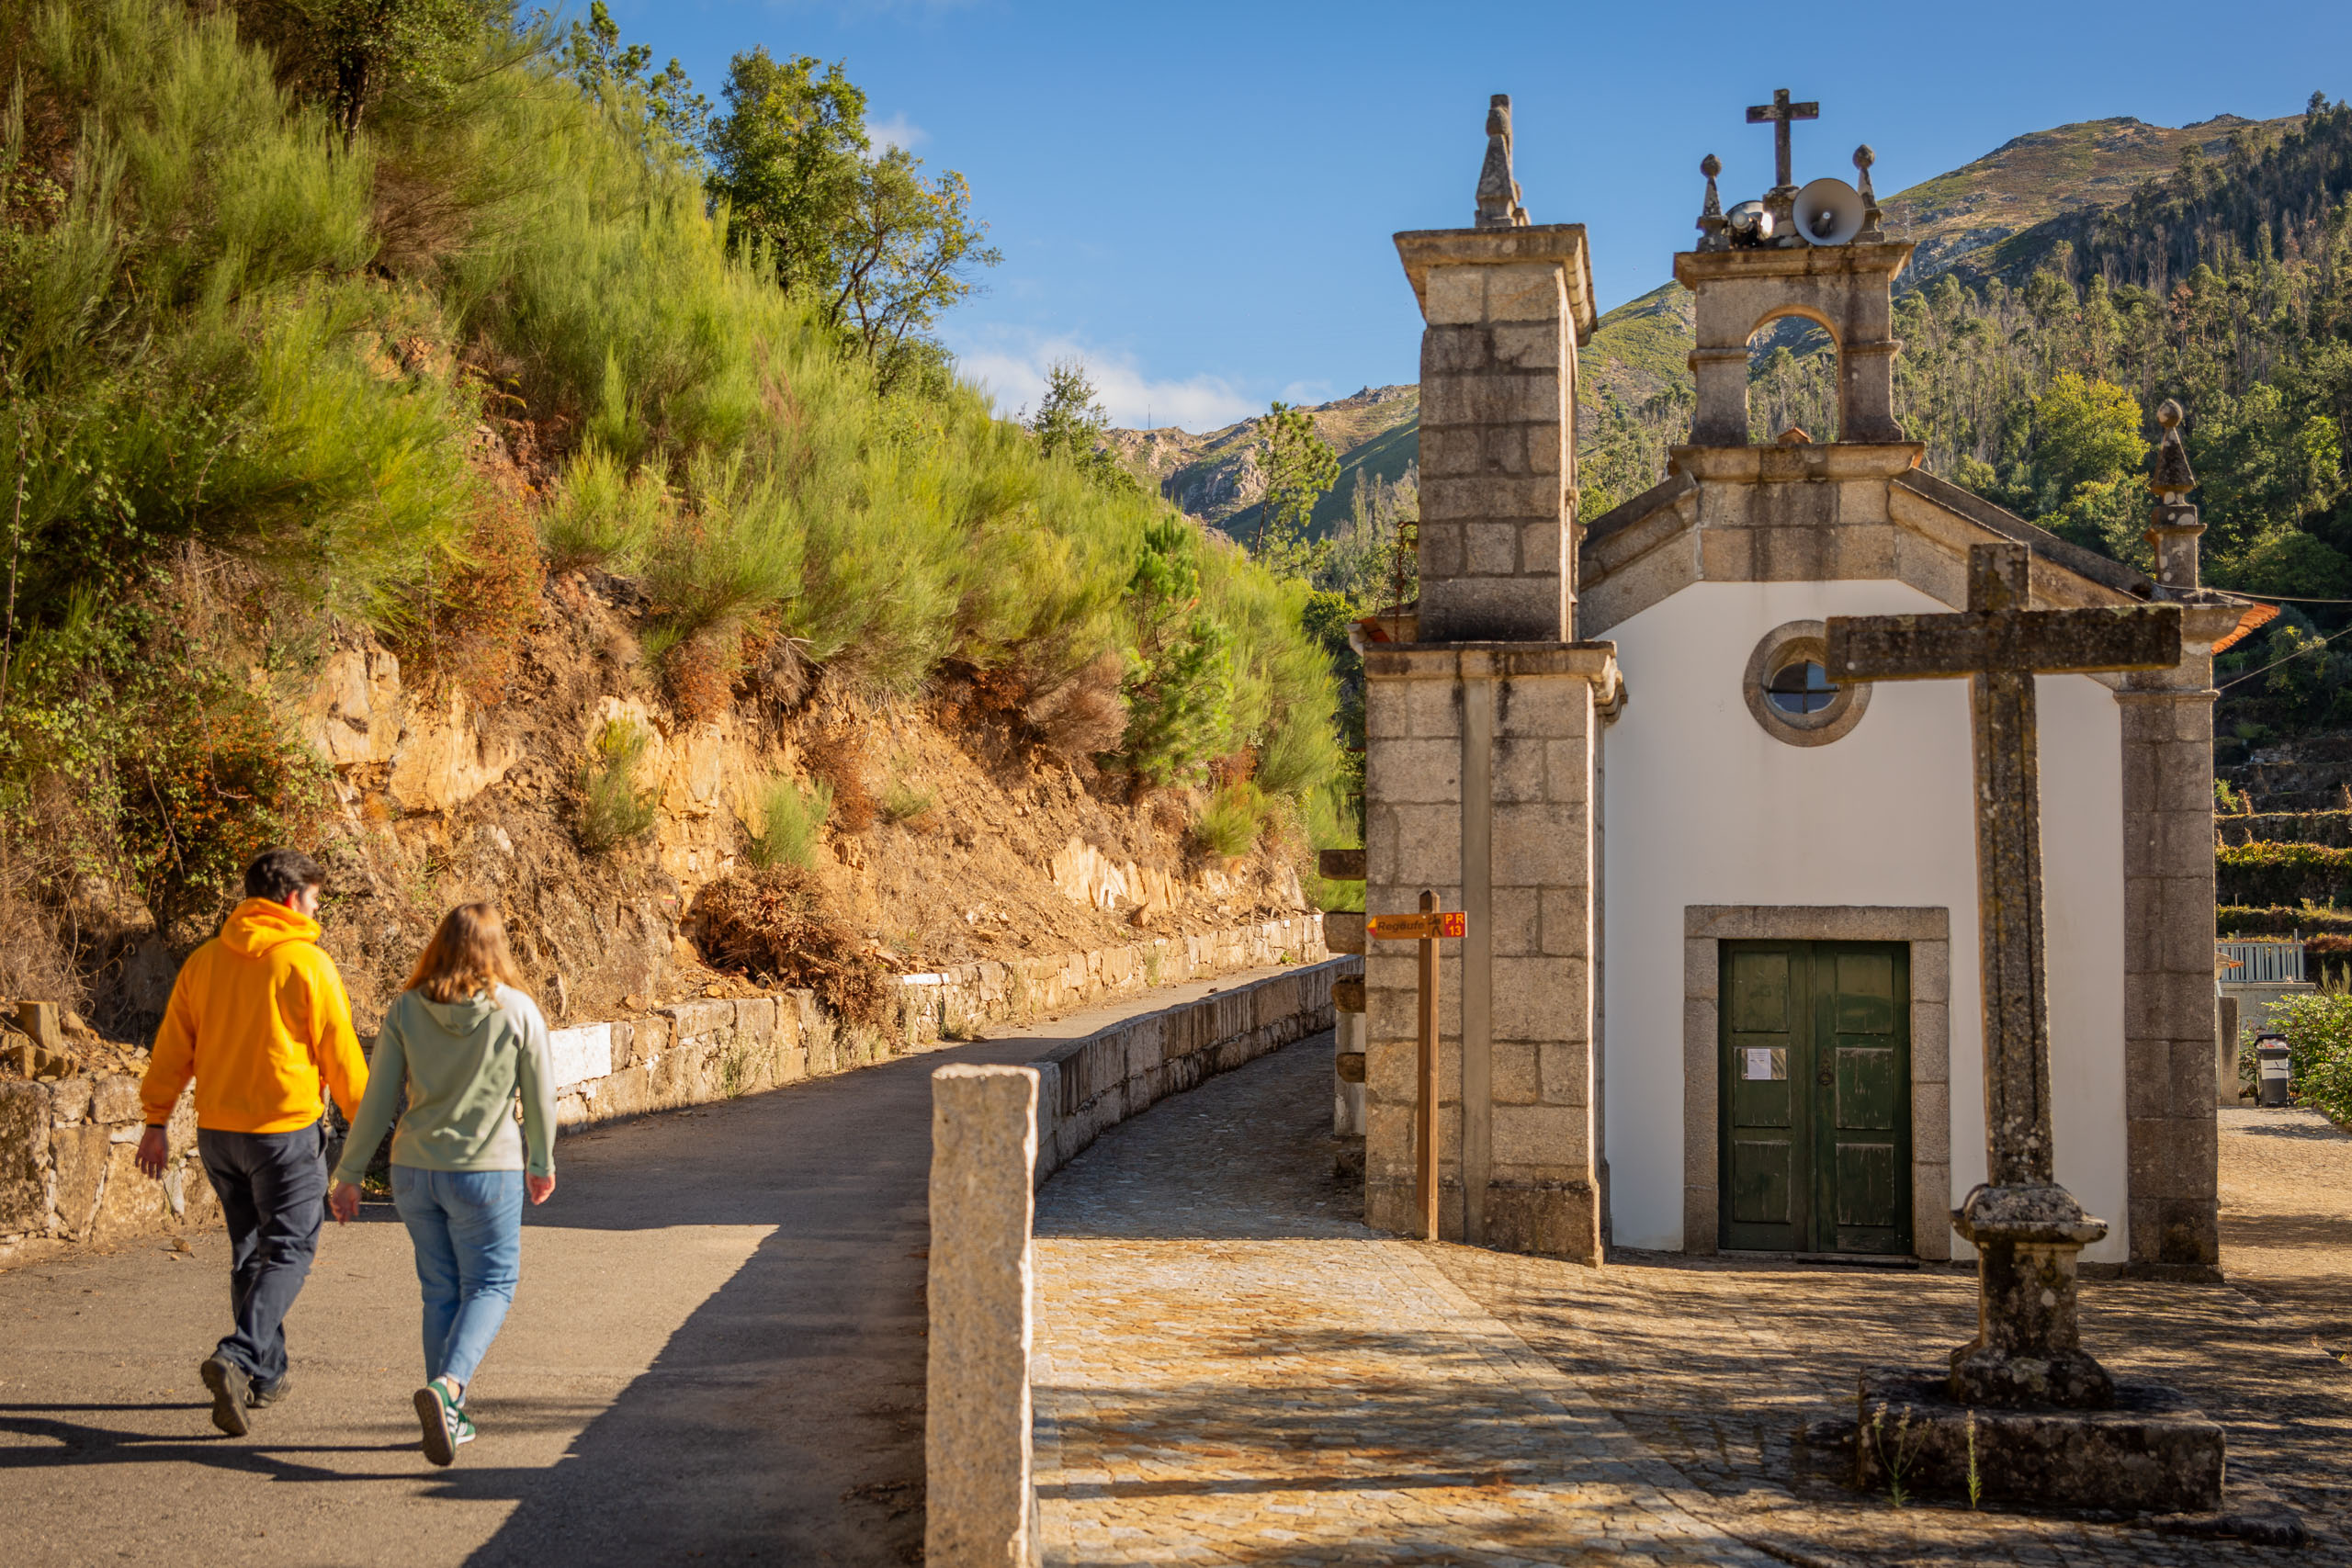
x=980 y=1506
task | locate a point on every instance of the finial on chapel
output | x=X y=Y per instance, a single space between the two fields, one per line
x=1870 y=233
x=2176 y=523
x=1499 y=195
x=1710 y=216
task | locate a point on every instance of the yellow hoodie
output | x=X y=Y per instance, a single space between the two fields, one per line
x=257 y=1015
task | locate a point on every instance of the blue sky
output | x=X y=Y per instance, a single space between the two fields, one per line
x=1197 y=199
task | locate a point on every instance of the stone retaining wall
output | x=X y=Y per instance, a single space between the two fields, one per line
x=694 y=1052
x=66 y=1174
x=1093 y=1084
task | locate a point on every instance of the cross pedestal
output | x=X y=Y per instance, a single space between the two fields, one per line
x=2027 y=1230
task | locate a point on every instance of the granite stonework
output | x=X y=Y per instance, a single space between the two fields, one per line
x=1093 y=1084
x=67 y=1173
x=1846 y=289
x=2150 y=1451
x=980 y=1504
x=1528 y=1143
x=1506 y=309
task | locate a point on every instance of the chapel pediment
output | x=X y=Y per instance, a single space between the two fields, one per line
x=1819 y=511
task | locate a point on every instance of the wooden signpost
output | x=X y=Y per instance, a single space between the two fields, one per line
x=1428 y=928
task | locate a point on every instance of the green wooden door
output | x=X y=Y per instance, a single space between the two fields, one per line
x=1814 y=1109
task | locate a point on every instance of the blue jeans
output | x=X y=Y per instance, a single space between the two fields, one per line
x=466 y=1226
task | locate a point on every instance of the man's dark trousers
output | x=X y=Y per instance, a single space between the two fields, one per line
x=273 y=1191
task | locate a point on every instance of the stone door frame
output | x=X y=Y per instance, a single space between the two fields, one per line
x=1928 y=932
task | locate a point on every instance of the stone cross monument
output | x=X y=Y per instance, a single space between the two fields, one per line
x=2027 y=1230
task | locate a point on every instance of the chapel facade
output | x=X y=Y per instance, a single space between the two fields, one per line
x=1719 y=989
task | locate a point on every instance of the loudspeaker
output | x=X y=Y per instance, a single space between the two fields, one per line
x=1827 y=212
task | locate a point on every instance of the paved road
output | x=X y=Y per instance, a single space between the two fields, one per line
x=716 y=1356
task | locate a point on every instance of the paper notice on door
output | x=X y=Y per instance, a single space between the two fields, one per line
x=1764 y=1063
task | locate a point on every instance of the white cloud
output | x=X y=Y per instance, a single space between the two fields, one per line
x=1014 y=368
x=897 y=131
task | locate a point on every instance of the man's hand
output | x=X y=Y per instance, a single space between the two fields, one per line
x=154 y=1153
x=343 y=1203
x=540 y=1188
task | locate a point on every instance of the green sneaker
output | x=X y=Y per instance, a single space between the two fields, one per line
x=440 y=1420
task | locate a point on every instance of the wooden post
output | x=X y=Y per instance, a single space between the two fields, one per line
x=1425 y=1131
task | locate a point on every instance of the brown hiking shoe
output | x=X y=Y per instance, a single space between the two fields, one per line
x=230 y=1387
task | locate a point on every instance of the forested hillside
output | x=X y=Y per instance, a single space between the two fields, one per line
x=436 y=335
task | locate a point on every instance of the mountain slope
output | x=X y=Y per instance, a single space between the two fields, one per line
x=2042 y=174
x=1214 y=476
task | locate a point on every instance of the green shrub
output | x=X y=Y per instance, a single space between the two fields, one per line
x=791 y=815
x=1229 y=822
x=2267 y=873
x=1330 y=826
x=2318 y=1030
x=613 y=810
x=2280 y=920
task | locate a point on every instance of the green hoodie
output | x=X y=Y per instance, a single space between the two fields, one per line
x=464 y=1064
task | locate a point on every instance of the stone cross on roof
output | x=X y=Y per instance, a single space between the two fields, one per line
x=1778 y=114
x=1499 y=195
x=2025 y=1227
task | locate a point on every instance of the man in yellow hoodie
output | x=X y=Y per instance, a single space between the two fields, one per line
x=259 y=1017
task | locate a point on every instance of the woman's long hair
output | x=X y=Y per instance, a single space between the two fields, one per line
x=467 y=954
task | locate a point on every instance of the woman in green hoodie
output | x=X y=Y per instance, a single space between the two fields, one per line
x=465 y=1043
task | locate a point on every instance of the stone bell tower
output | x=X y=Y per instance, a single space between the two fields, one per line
x=1482 y=736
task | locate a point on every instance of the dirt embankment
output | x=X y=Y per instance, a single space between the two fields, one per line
x=958 y=832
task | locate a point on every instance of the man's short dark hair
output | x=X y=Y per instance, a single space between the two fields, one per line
x=278 y=874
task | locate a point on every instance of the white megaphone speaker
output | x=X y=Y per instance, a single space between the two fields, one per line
x=1827 y=212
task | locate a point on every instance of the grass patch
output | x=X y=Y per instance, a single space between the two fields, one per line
x=613 y=810
x=1228 y=824
x=906 y=803
x=791 y=818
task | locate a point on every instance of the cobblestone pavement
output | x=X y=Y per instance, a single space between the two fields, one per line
x=1232 y=1369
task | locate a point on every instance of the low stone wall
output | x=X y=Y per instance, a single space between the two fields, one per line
x=694 y=1052
x=1093 y=1084
x=66 y=1171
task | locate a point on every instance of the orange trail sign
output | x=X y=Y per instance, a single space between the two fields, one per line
x=1421 y=928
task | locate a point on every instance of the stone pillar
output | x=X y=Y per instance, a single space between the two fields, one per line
x=2168 y=1023
x=1347 y=1054
x=1506 y=309
x=1540 y=1192
x=979 y=1501
x=2226 y=1052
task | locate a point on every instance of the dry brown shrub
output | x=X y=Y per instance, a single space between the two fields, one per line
x=34 y=960
x=467 y=629
x=774 y=925
x=838 y=757
x=1084 y=713
x=698 y=673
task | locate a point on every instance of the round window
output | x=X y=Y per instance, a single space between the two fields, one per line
x=1789 y=690
x=1801 y=688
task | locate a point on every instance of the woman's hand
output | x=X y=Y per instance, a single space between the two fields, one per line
x=540 y=1188
x=343 y=1203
